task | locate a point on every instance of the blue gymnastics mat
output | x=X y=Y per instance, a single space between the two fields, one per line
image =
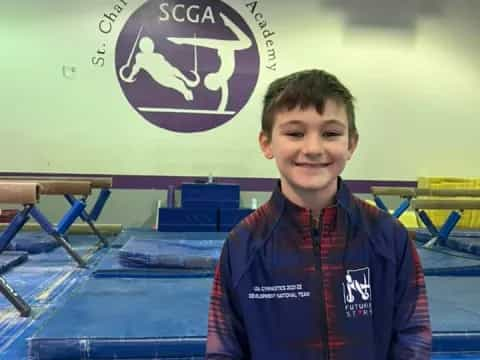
x=467 y=241
x=9 y=259
x=85 y=245
x=41 y=287
x=33 y=279
x=441 y=261
x=463 y=233
x=166 y=318
x=147 y=246
x=44 y=281
x=112 y=318
x=187 y=254
x=130 y=234
x=110 y=266
x=162 y=254
x=33 y=242
x=455 y=313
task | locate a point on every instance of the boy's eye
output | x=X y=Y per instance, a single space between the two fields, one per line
x=294 y=134
x=331 y=133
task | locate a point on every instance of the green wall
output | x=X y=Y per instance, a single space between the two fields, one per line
x=415 y=71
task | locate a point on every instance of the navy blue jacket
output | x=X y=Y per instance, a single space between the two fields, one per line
x=346 y=285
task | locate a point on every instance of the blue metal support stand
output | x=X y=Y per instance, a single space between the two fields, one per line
x=13 y=228
x=99 y=204
x=404 y=205
x=63 y=225
x=440 y=236
x=380 y=203
x=428 y=223
x=15 y=299
x=96 y=211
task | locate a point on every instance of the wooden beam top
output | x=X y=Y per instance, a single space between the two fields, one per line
x=12 y=192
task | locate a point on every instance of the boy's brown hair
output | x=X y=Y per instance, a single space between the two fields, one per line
x=304 y=89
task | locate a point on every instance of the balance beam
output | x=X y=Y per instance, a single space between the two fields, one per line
x=408 y=193
x=19 y=192
x=62 y=187
x=44 y=187
x=58 y=187
x=446 y=204
x=456 y=205
x=393 y=191
x=95 y=182
x=447 y=199
x=413 y=192
x=27 y=193
x=70 y=187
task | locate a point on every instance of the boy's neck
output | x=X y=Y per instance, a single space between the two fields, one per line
x=314 y=200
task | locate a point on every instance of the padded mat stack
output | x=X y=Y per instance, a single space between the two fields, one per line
x=159 y=254
x=205 y=207
x=167 y=318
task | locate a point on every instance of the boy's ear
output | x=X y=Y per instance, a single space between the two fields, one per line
x=265 y=145
x=352 y=145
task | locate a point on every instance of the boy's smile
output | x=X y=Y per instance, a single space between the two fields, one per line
x=310 y=150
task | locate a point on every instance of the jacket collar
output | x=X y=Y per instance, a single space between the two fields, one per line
x=347 y=209
x=344 y=201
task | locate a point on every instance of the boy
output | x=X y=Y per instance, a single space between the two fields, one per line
x=316 y=273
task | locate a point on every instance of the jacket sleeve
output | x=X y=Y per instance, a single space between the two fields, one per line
x=412 y=337
x=226 y=334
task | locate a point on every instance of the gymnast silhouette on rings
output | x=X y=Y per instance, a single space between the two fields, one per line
x=226 y=53
x=158 y=67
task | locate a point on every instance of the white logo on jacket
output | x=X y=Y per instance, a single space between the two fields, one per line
x=357 y=293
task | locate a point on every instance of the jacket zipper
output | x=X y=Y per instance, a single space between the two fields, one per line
x=316 y=233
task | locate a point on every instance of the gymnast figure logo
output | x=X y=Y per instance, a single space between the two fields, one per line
x=161 y=71
x=187 y=65
x=166 y=74
x=357 y=281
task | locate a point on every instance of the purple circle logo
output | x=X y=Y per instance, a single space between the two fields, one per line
x=188 y=65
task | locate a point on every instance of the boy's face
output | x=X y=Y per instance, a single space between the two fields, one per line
x=310 y=149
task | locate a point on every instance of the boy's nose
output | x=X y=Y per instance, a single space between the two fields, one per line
x=313 y=146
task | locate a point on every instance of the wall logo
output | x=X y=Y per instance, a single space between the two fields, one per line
x=187 y=65
x=357 y=293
